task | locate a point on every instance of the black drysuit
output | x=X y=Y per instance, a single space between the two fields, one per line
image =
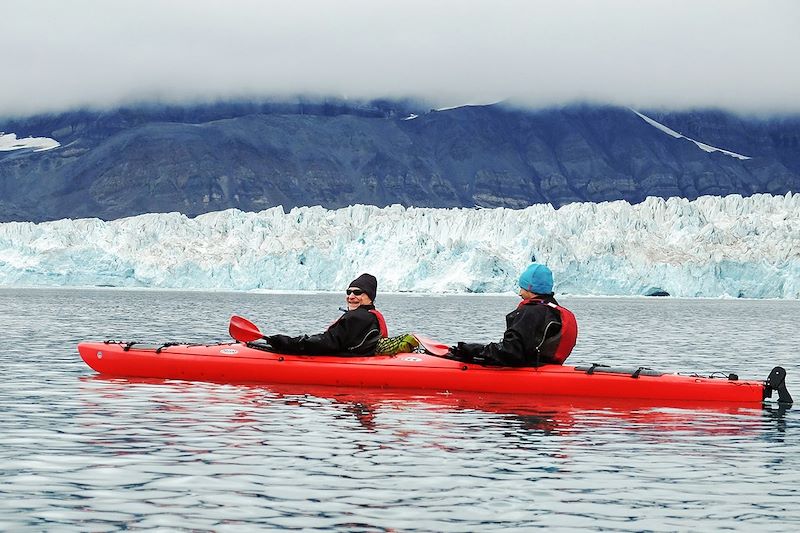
x=531 y=329
x=356 y=332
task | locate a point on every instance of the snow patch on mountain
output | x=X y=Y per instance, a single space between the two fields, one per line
x=9 y=142
x=703 y=146
x=710 y=247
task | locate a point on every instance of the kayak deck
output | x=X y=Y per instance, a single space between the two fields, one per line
x=243 y=363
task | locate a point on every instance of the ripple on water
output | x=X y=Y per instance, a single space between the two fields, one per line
x=82 y=453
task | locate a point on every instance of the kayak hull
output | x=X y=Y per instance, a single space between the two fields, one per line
x=240 y=363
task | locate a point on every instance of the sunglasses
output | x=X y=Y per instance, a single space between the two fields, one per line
x=357 y=292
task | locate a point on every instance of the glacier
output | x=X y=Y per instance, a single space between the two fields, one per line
x=729 y=246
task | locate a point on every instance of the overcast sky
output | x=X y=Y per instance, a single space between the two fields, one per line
x=735 y=54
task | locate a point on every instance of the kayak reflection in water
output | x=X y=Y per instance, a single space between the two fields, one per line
x=356 y=332
x=538 y=331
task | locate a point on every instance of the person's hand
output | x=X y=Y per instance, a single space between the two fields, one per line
x=277 y=342
x=459 y=352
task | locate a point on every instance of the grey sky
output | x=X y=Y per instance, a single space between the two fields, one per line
x=736 y=54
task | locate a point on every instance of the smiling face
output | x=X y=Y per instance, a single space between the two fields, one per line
x=356 y=297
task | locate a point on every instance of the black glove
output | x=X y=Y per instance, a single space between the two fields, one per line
x=279 y=343
x=466 y=352
x=454 y=353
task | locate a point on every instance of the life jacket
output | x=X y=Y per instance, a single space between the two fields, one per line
x=556 y=347
x=381 y=322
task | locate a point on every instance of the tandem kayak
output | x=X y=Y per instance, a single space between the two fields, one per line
x=249 y=362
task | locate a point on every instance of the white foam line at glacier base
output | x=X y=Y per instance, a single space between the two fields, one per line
x=710 y=247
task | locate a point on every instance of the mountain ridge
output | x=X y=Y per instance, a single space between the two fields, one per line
x=198 y=159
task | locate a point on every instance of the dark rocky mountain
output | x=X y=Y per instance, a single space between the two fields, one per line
x=253 y=156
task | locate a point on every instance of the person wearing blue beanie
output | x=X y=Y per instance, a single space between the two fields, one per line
x=539 y=331
x=537 y=279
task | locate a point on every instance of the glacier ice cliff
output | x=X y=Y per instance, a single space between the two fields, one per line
x=710 y=247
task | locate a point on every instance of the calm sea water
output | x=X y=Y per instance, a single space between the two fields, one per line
x=84 y=453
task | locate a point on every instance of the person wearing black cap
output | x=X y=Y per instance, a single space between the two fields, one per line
x=356 y=332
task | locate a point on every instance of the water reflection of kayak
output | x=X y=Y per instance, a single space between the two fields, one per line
x=551 y=414
x=379 y=409
x=247 y=363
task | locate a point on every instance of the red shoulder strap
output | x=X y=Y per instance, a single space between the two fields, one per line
x=569 y=335
x=381 y=322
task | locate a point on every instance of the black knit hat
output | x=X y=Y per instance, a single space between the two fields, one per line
x=367 y=283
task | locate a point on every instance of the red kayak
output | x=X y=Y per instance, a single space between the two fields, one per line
x=247 y=362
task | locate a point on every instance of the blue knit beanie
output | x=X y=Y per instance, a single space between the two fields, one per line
x=537 y=279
